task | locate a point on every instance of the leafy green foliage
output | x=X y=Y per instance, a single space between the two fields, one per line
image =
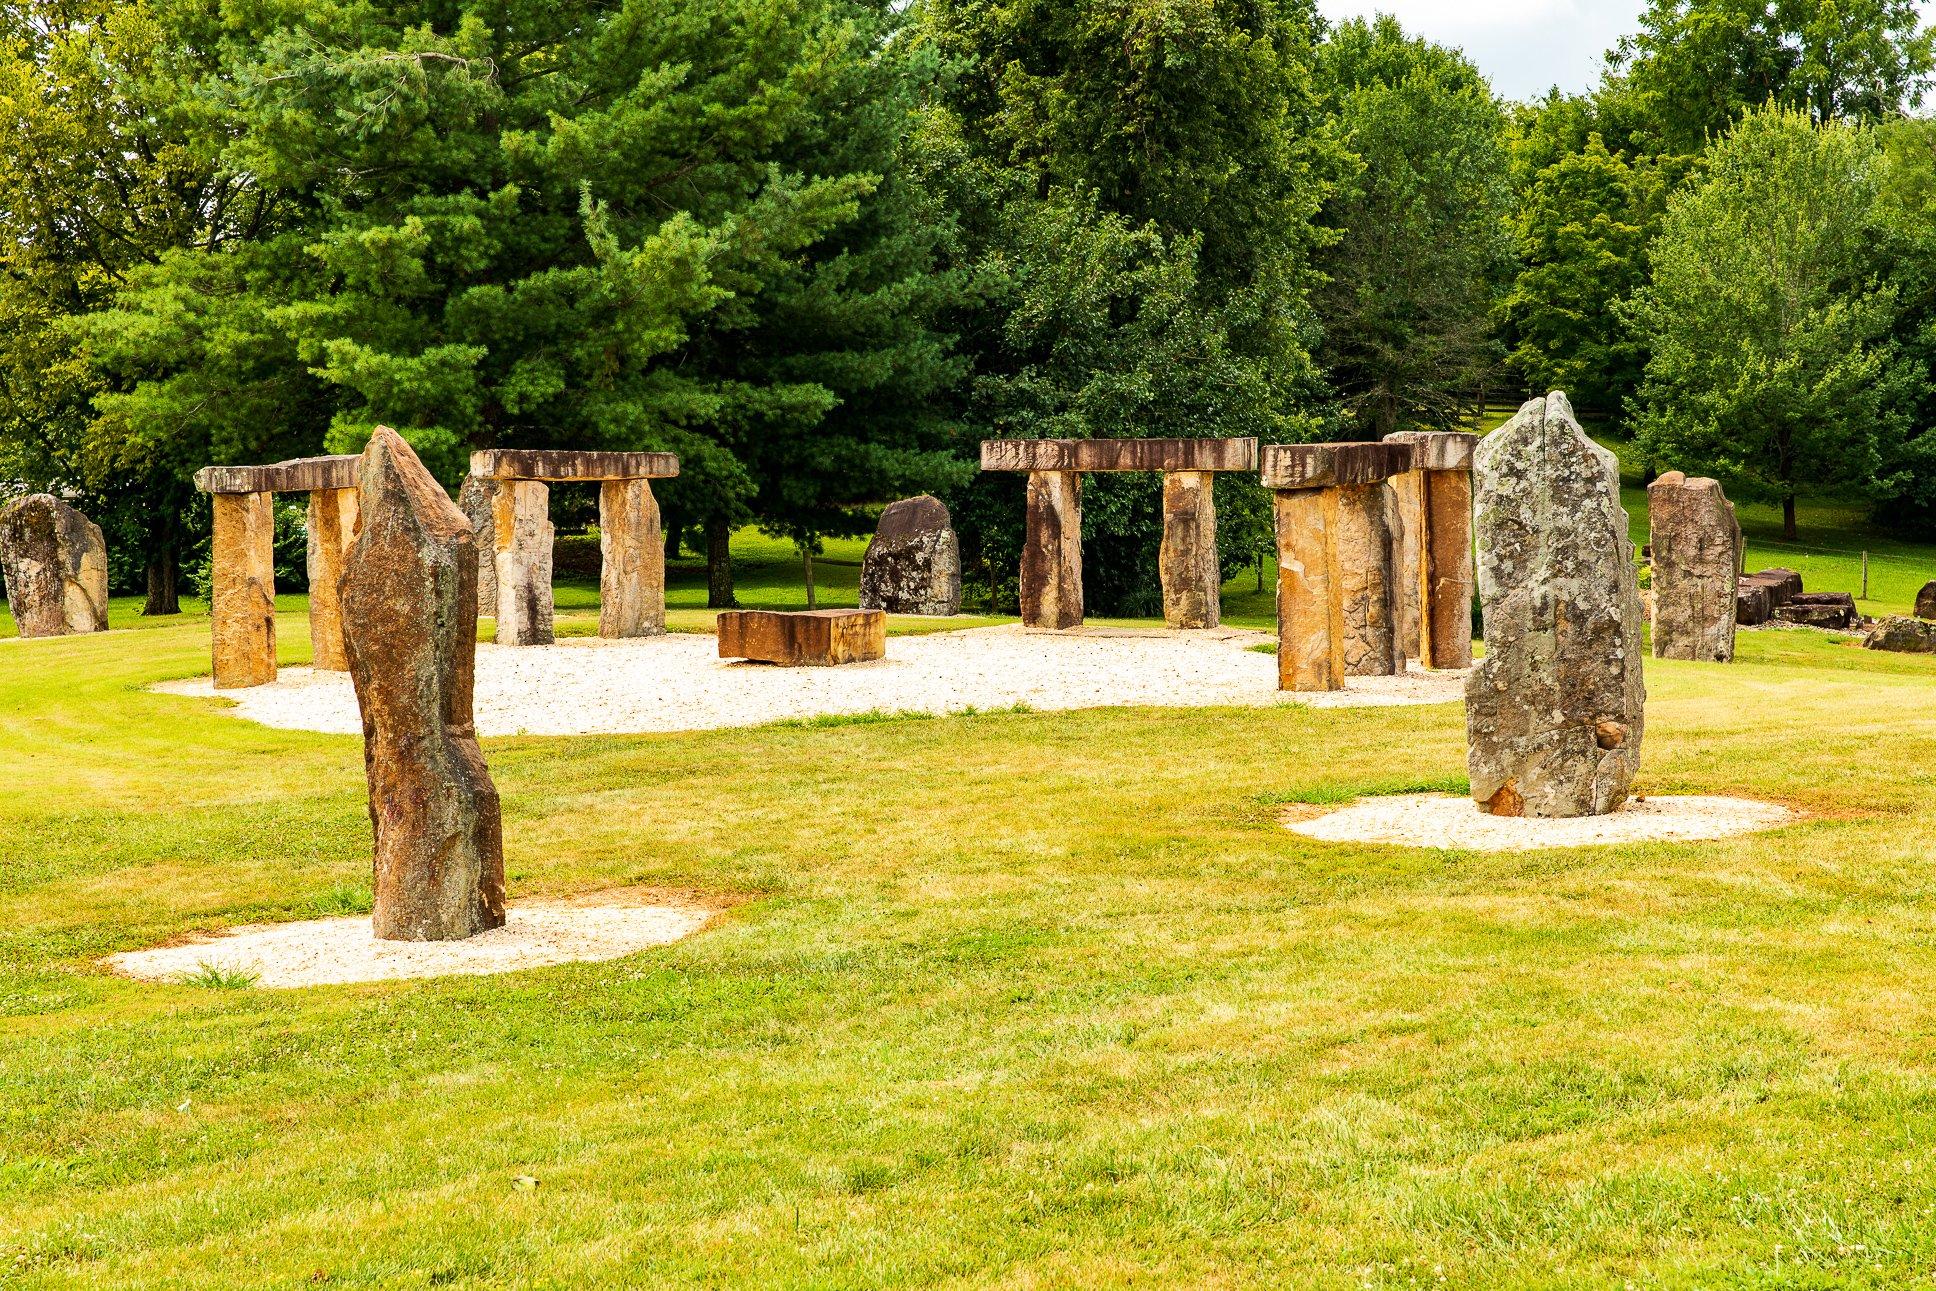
x=1421 y=249
x=1768 y=316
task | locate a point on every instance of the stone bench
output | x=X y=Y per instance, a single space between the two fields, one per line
x=806 y=638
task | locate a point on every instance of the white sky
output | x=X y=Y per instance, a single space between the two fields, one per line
x=1524 y=46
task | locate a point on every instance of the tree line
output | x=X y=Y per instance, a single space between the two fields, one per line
x=821 y=248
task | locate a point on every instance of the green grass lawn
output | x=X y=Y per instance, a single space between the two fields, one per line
x=1021 y=1000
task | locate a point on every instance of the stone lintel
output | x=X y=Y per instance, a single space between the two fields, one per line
x=1323 y=466
x=559 y=465
x=298 y=475
x=1438 y=450
x=1119 y=455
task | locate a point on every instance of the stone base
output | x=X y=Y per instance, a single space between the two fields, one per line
x=810 y=638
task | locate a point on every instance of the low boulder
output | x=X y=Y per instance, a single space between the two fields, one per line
x=55 y=564
x=803 y=638
x=913 y=566
x=1820 y=610
x=1754 y=603
x=1926 y=602
x=1903 y=636
x=1783 y=584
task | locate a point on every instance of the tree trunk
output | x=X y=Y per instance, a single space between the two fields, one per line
x=719 y=566
x=163 y=595
x=1788 y=517
x=806 y=560
x=675 y=528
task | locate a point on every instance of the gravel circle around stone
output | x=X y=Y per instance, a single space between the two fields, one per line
x=677 y=682
x=336 y=952
x=1442 y=821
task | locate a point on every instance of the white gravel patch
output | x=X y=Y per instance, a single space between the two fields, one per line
x=333 y=952
x=1438 y=820
x=679 y=683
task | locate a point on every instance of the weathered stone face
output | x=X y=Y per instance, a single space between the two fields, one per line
x=242 y=610
x=1051 y=590
x=1835 y=610
x=1192 y=577
x=1754 y=603
x=474 y=499
x=1119 y=455
x=1926 y=602
x=1368 y=530
x=409 y=595
x=1903 y=635
x=1434 y=562
x=55 y=563
x=631 y=580
x=1555 y=711
x=1697 y=559
x=521 y=520
x=803 y=638
x=913 y=565
x=1310 y=625
x=332 y=527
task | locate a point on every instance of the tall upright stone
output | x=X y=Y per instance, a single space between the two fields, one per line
x=475 y=499
x=913 y=564
x=1435 y=548
x=55 y=563
x=1337 y=533
x=631 y=581
x=242 y=592
x=1192 y=577
x=1697 y=558
x=1052 y=552
x=409 y=606
x=521 y=523
x=332 y=527
x=1367 y=533
x=1555 y=710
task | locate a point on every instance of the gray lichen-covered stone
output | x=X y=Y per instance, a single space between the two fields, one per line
x=913 y=566
x=474 y=499
x=1555 y=711
x=55 y=563
x=409 y=623
x=1697 y=562
x=1902 y=635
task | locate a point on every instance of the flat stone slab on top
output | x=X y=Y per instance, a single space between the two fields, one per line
x=805 y=638
x=1103 y=455
x=298 y=475
x=566 y=465
x=1458 y=824
x=1289 y=467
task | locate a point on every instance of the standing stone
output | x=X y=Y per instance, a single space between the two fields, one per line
x=1554 y=713
x=521 y=519
x=1367 y=532
x=1192 y=577
x=631 y=580
x=1310 y=650
x=1697 y=559
x=1052 y=554
x=332 y=527
x=1926 y=602
x=1434 y=561
x=242 y=596
x=913 y=565
x=474 y=499
x=55 y=563
x=409 y=606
